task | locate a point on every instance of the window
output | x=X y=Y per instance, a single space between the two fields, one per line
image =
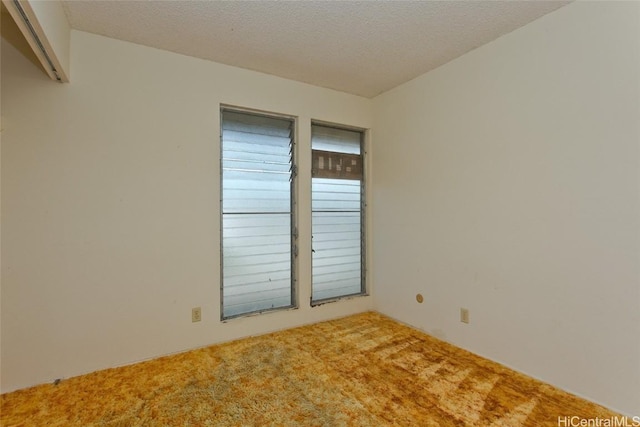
x=337 y=197
x=258 y=238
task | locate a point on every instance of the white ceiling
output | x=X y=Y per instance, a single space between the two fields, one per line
x=359 y=47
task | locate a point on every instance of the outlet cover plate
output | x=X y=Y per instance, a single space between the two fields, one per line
x=196 y=314
x=464 y=315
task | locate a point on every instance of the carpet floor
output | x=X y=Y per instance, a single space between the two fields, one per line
x=362 y=370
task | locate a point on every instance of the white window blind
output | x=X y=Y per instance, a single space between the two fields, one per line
x=257 y=215
x=337 y=216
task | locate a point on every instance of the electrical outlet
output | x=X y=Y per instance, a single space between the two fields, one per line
x=464 y=315
x=196 y=314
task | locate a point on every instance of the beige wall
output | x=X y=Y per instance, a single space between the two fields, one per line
x=110 y=206
x=507 y=182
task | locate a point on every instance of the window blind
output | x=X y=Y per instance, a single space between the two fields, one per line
x=337 y=220
x=257 y=219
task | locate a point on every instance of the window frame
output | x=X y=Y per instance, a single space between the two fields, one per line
x=363 y=213
x=293 y=213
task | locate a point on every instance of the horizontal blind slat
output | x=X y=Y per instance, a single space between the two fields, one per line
x=332 y=139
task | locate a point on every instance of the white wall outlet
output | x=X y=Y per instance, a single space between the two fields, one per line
x=464 y=315
x=196 y=314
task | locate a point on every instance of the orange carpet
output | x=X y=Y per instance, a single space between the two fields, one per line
x=363 y=370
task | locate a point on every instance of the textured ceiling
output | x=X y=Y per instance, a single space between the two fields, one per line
x=359 y=47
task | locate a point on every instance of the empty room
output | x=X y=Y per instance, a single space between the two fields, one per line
x=320 y=213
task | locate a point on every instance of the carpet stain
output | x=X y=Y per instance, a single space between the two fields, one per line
x=362 y=370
